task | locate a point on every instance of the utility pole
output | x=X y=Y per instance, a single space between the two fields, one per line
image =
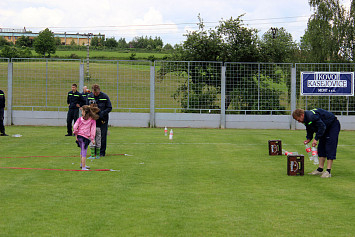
x=274 y=32
x=88 y=57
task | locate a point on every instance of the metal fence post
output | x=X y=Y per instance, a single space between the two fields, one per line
x=46 y=82
x=188 y=85
x=293 y=97
x=118 y=85
x=9 y=93
x=259 y=87
x=223 y=97
x=152 y=97
x=81 y=76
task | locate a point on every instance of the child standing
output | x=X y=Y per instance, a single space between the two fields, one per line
x=85 y=131
x=95 y=146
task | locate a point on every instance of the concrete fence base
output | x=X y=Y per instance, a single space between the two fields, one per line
x=50 y=118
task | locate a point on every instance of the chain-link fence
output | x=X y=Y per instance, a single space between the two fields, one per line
x=4 y=62
x=188 y=86
x=42 y=84
x=125 y=82
x=343 y=105
x=258 y=88
x=178 y=87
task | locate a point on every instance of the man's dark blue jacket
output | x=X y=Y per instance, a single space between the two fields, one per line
x=73 y=99
x=317 y=121
x=2 y=99
x=104 y=104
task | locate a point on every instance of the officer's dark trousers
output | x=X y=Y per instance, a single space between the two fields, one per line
x=327 y=146
x=2 y=128
x=73 y=114
x=104 y=128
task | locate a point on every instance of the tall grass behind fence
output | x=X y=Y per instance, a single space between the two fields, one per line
x=344 y=105
x=43 y=84
x=127 y=83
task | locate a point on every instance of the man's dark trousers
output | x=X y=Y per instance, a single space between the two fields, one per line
x=73 y=114
x=104 y=128
x=2 y=128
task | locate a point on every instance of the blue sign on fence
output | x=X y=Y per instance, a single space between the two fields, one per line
x=327 y=83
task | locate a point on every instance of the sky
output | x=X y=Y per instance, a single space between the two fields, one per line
x=169 y=20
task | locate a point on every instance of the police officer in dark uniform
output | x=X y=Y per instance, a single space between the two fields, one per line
x=103 y=102
x=2 y=107
x=74 y=101
x=326 y=127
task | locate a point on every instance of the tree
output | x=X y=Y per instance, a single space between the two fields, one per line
x=157 y=42
x=276 y=45
x=198 y=91
x=24 y=41
x=96 y=41
x=122 y=43
x=239 y=43
x=3 y=41
x=72 y=42
x=111 y=43
x=330 y=37
x=146 y=43
x=325 y=39
x=350 y=41
x=230 y=41
x=15 y=52
x=25 y=52
x=45 y=43
x=200 y=45
x=58 y=41
x=9 y=52
x=168 y=47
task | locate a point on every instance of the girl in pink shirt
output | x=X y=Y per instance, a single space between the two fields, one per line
x=84 y=130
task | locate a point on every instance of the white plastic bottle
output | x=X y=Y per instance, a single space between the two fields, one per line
x=166 y=131
x=284 y=152
x=171 y=135
x=309 y=151
x=315 y=155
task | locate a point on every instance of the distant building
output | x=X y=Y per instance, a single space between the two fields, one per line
x=12 y=35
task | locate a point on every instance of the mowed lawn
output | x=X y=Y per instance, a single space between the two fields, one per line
x=122 y=55
x=205 y=182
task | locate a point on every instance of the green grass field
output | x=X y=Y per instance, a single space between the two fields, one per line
x=117 y=55
x=205 y=182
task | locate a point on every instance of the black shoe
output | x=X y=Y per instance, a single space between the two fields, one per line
x=4 y=134
x=68 y=135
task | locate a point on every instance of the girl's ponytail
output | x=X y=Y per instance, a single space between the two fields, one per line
x=91 y=112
